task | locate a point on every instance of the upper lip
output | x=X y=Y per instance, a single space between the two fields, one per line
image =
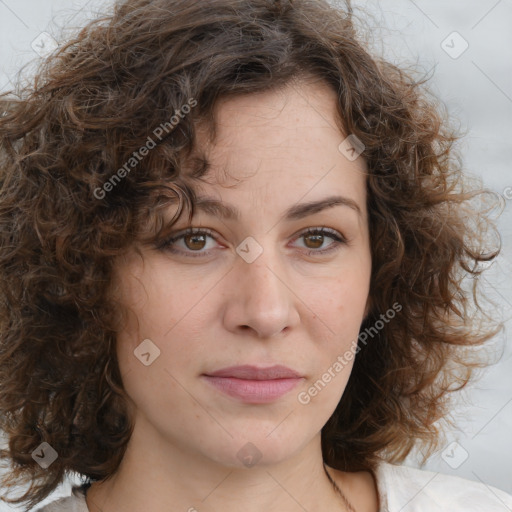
x=250 y=372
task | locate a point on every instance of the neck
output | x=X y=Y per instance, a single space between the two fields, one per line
x=151 y=477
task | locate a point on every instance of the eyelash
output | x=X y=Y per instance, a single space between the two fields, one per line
x=165 y=245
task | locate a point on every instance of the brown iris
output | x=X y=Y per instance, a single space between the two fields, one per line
x=198 y=241
x=318 y=240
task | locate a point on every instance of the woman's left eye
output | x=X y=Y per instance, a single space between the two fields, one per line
x=317 y=236
x=195 y=240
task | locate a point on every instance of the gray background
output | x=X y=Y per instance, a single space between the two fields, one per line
x=476 y=86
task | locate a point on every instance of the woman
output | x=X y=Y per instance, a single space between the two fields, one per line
x=233 y=250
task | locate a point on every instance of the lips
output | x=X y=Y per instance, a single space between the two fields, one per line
x=253 y=385
x=249 y=372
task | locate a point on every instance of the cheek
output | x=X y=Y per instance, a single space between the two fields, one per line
x=342 y=301
x=173 y=322
x=155 y=307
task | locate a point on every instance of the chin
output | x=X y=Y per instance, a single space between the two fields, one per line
x=256 y=450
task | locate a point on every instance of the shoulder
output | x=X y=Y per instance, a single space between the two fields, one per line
x=415 y=490
x=74 y=503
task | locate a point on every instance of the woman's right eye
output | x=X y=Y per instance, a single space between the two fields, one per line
x=188 y=242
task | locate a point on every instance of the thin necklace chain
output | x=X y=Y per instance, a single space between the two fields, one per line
x=349 y=506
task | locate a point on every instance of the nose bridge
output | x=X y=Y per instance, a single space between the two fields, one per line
x=260 y=297
x=263 y=282
x=263 y=285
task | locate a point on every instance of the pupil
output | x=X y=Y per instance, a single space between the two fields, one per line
x=194 y=238
x=318 y=240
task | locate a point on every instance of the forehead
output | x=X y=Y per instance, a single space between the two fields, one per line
x=280 y=145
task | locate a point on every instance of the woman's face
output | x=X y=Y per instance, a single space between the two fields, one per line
x=256 y=290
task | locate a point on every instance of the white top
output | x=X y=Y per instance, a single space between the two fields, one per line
x=401 y=489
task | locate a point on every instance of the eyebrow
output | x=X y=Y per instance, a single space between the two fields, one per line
x=212 y=206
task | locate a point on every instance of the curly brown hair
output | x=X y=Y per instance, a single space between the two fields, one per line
x=92 y=106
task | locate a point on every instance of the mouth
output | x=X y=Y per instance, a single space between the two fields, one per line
x=253 y=385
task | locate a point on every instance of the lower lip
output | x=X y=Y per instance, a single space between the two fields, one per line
x=253 y=391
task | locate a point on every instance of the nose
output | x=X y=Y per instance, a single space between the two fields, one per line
x=259 y=299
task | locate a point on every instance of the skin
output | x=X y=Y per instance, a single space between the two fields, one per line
x=274 y=150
